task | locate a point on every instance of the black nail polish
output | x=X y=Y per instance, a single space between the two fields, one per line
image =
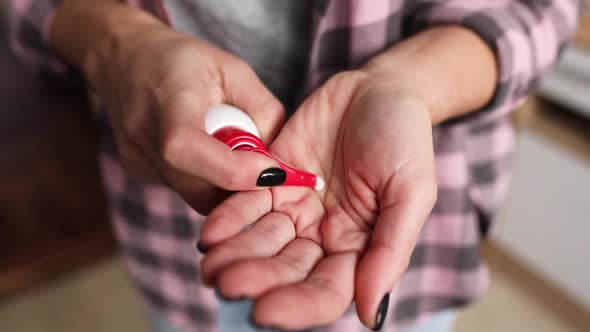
x=271 y=177
x=201 y=248
x=381 y=313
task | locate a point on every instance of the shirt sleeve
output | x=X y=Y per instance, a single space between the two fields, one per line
x=29 y=22
x=527 y=37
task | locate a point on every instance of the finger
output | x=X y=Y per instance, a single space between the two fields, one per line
x=388 y=254
x=199 y=194
x=139 y=167
x=186 y=147
x=135 y=163
x=190 y=188
x=321 y=299
x=243 y=89
x=266 y=238
x=237 y=212
x=251 y=278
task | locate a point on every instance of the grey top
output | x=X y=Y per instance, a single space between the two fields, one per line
x=273 y=36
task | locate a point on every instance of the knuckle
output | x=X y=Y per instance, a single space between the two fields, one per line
x=235 y=67
x=173 y=95
x=274 y=109
x=172 y=146
x=228 y=179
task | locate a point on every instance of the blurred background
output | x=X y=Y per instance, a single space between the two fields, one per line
x=59 y=267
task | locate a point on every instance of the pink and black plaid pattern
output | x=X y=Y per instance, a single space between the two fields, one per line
x=157 y=230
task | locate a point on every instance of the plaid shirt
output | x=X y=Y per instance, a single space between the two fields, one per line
x=158 y=231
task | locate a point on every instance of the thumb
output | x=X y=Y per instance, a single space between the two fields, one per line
x=243 y=89
x=186 y=147
x=392 y=242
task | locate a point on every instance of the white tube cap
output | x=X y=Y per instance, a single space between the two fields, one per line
x=223 y=115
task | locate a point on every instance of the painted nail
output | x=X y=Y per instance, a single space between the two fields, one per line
x=202 y=248
x=271 y=177
x=381 y=313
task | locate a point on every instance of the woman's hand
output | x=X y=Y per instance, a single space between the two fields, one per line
x=157 y=85
x=309 y=254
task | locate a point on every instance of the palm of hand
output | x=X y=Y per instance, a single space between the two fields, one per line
x=310 y=254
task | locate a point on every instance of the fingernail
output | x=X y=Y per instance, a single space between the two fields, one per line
x=201 y=248
x=381 y=313
x=271 y=177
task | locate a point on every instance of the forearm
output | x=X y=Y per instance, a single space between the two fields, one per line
x=450 y=67
x=83 y=30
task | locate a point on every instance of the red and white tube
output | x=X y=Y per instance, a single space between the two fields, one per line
x=236 y=129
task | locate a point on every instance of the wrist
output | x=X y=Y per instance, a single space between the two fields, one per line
x=100 y=28
x=449 y=67
x=403 y=92
x=407 y=81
